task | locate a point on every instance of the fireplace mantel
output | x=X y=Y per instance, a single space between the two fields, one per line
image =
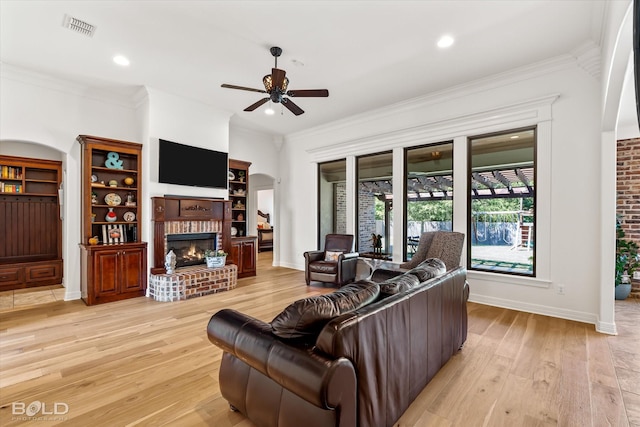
x=186 y=214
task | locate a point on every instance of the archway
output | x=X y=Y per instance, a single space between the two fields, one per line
x=262 y=198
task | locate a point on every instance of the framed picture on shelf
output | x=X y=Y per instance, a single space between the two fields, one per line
x=113 y=234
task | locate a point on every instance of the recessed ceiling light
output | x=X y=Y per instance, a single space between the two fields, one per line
x=445 y=41
x=121 y=60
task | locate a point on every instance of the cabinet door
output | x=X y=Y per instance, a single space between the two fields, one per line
x=248 y=255
x=234 y=255
x=106 y=273
x=132 y=270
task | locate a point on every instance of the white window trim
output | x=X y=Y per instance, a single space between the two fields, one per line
x=528 y=113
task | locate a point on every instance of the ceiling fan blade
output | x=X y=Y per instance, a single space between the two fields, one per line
x=308 y=93
x=292 y=107
x=277 y=77
x=256 y=104
x=243 y=88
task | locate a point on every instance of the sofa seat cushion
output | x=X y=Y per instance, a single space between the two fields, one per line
x=303 y=319
x=327 y=267
x=428 y=269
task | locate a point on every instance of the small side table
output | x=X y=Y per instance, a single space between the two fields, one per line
x=366 y=266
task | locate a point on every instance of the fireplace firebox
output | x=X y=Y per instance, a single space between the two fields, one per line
x=190 y=247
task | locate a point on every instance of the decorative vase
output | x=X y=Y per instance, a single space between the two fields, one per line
x=170 y=262
x=111 y=216
x=623 y=290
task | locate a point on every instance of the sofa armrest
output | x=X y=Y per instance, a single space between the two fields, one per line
x=324 y=382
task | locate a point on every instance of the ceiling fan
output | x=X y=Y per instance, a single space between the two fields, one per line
x=275 y=85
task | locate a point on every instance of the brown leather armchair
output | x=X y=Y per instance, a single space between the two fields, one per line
x=336 y=264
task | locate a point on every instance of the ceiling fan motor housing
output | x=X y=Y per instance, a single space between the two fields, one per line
x=276 y=95
x=276 y=51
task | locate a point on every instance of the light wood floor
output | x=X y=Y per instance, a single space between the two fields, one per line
x=146 y=363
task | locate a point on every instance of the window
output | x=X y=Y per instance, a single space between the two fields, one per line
x=332 y=198
x=429 y=192
x=374 y=204
x=501 y=228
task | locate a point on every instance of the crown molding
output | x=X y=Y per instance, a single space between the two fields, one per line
x=49 y=82
x=523 y=113
x=588 y=57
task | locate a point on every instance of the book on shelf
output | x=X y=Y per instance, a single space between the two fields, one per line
x=9 y=172
x=10 y=188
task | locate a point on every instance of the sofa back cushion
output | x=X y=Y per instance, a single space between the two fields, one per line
x=303 y=319
x=428 y=269
x=398 y=284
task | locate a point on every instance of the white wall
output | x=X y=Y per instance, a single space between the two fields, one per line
x=265 y=201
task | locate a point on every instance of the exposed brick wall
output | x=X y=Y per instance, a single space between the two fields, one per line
x=340 y=197
x=628 y=190
x=366 y=219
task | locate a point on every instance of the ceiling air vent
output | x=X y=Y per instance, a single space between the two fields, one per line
x=75 y=24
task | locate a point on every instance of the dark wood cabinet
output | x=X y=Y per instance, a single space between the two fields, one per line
x=115 y=271
x=243 y=254
x=114 y=259
x=31 y=247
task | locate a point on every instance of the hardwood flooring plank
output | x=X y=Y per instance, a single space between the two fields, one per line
x=632 y=406
x=608 y=406
x=575 y=402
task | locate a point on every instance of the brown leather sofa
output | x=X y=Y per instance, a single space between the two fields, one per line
x=379 y=345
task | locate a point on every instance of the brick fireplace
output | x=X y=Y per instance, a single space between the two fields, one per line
x=177 y=220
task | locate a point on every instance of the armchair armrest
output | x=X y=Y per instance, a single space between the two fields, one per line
x=314 y=255
x=314 y=377
x=349 y=255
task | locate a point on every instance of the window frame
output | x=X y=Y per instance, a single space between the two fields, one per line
x=469 y=219
x=357 y=192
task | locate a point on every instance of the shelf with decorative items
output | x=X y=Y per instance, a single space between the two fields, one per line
x=111 y=219
x=113 y=186
x=238 y=189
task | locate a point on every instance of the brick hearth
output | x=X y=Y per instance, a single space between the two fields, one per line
x=191 y=282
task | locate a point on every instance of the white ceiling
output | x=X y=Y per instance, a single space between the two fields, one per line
x=368 y=54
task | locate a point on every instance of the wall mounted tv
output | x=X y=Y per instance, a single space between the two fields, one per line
x=187 y=165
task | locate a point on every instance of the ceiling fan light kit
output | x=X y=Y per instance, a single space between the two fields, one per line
x=276 y=85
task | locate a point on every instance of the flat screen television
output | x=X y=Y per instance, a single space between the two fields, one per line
x=194 y=166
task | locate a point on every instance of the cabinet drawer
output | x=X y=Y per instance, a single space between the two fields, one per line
x=11 y=276
x=49 y=272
